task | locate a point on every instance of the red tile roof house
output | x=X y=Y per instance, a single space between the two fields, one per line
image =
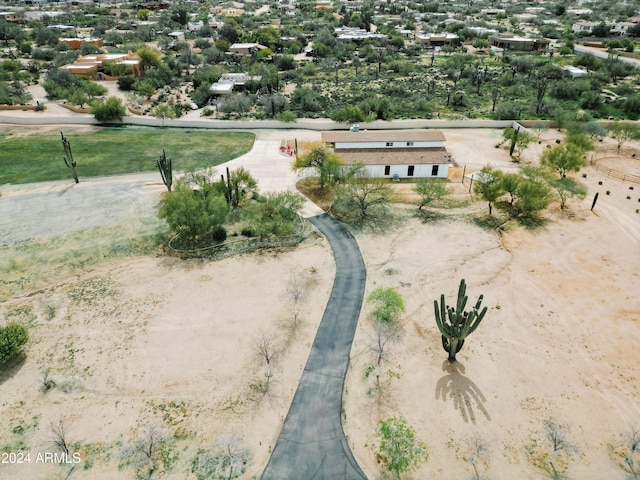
x=392 y=153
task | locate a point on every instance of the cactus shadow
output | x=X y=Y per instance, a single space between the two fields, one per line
x=465 y=395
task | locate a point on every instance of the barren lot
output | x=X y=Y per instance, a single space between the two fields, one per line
x=157 y=342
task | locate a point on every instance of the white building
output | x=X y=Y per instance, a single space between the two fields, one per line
x=393 y=153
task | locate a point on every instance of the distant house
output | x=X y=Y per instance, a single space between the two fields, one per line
x=583 y=27
x=245 y=49
x=92 y=66
x=9 y=16
x=177 y=36
x=621 y=28
x=232 y=81
x=76 y=43
x=392 y=153
x=356 y=34
x=514 y=42
x=436 y=39
x=575 y=72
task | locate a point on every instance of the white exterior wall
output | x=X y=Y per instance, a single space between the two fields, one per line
x=377 y=171
x=403 y=144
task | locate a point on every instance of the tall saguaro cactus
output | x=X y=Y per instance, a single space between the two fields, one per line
x=68 y=158
x=456 y=324
x=166 y=169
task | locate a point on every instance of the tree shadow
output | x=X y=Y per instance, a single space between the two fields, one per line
x=466 y=396
x=11 y=367
x=430 y=216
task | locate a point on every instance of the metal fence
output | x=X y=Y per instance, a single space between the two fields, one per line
x=598 y=157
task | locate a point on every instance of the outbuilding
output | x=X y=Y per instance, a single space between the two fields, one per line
x=392 y=153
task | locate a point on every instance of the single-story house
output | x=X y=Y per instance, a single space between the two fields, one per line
x=514 y=42
x=90 y=66
x=229 y=82
x=76 y=43
x=392 y=153
x=9 y=16
x=436 y=39
x=245 y=49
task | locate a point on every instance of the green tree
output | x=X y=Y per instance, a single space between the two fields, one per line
x=362 y=199
x=489 y=185
x=532 y=196
x=510 y=182
x=430 y=190
x=12 y=338
x=389 y=304
x=399 y=449
x=194 y=214
x=277 y=214
x=327 y=165
x=563 y=159
x=149 y=57
x=108 y=110
x=163 y=111
x=519 y=139
x=567 y=188
x=456 y=324
x=623 y=132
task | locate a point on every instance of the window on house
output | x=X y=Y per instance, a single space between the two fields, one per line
x=409 y=144
x=434 y=170
x=389 y=144
x=387 y=169
x=410 y=171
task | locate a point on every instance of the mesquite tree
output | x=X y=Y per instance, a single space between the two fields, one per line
x=456 y=324
x=166 y=169
x=68 y=158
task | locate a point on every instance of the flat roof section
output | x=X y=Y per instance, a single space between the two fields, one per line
x=421 y=135
x=396 y=156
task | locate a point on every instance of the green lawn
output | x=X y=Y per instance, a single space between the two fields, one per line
x=35 y=157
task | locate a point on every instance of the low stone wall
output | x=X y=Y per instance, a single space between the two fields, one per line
x=75 y=109
x=17 y=107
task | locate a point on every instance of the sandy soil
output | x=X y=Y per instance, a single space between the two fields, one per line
x=157 y=341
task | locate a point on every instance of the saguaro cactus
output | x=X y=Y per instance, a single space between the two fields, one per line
x=166 y=169
x=68 y=158
x=456 y=324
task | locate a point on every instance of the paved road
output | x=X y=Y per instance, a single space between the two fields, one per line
x=312 y=445
x=601 y=53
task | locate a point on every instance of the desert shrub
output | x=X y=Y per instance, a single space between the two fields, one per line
x=219 y=234
x=12 y=338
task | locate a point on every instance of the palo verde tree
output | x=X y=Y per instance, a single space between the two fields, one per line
x=456 y=324
x=197 y=214
x=489 y=185
x=563 y=159
x=430 y=190
x=165 y=166
x=68 y=158
x=362 y=199
x=399 y=450
x=389 y=305
x=12 y=338
x=327 y=165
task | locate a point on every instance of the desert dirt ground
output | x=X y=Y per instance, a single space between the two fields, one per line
x=159 y=342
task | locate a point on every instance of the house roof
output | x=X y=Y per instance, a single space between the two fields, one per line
x=421 y=135
x=395 y=156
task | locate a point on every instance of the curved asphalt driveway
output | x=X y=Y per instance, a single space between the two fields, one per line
x=312 y=445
